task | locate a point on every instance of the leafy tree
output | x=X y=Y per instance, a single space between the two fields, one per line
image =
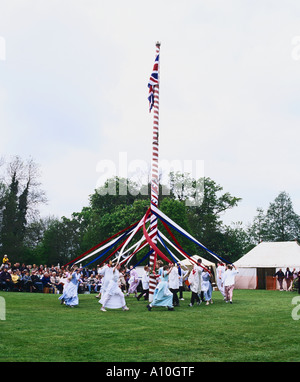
x=115 y=192
x=259 y=229
x=18 y=202
x=35 y=231
x=206 y=217
x=61 y=242
x=9 y=229
x=279 y=223
x=109 y=212
x=282 y=221
x=235 y=242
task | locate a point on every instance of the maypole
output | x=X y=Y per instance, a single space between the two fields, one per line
x=154 y=103
x=118 y=242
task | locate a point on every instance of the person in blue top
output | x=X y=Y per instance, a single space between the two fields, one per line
x=162 y=295
x=70 y=293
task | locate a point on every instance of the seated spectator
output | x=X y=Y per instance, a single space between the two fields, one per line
x=41 y=270
x=23 y=267
x=94 y=272
x=16 y=266
x=91 y=282
x=36 y=281
x=32 y=278
x=16 y=279
x=26 y=282
x=5 y=280
x=82 y=285
x=55 y=281
x=98 y=283
x=34 y=268
x=46 y=280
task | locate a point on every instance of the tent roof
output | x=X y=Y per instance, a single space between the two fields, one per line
x=271 y=255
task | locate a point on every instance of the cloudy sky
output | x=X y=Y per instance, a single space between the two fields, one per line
x=73 y=93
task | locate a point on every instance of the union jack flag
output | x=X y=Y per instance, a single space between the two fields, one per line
x=152 y=82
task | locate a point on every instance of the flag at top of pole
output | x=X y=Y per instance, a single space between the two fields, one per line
x=154 y=79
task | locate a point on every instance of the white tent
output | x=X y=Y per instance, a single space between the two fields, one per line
x=257 y=267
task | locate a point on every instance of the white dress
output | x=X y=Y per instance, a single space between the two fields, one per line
x=220 y=274
x=70 y=292
x=145 y=280
x=107 y=273
x=113 y=297
x=133 y=281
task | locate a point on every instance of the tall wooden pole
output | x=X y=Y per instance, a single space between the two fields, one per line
x=154 y=178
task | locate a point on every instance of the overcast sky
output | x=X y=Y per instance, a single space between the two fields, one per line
x=73 y=93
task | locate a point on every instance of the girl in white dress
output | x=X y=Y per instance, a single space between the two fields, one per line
x=106 y=272
x=113 y=297
x=220 y=273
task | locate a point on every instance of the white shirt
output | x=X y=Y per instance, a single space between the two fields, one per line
x=229 y=277
x=220 y=271
x=174 y=278
x=195 y=279
x=145 y=280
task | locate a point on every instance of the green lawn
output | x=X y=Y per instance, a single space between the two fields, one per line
x=257 y=327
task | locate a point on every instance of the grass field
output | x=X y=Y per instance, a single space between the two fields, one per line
x=257 y=327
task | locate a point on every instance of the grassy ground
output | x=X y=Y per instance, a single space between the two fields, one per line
x=257 y=327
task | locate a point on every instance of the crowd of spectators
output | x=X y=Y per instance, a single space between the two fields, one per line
x=51 y=279
x=44 y=279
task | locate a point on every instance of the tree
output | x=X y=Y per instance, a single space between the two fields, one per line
x=60 y=243
x=282 y=221
x=9 y=229
x=109 y=212
x=279 y=223
x=259 y=230
x=115 y=192
x=235 y=242
x=18 y=203
x=206 y=217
